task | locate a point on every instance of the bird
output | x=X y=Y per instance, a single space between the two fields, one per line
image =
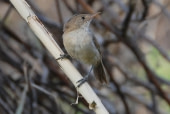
x=81 y=44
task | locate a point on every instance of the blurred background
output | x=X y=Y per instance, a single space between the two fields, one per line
x=135 y=40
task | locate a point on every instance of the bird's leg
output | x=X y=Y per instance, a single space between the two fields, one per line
x=84 y=79
x=62 y=56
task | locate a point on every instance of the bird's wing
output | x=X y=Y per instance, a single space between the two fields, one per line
x=96 y=44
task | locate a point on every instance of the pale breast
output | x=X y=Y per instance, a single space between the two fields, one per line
x=79 y=45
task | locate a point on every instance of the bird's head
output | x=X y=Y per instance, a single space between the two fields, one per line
x=79 y=21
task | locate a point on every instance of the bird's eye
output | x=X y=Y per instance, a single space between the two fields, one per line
x=83 y=18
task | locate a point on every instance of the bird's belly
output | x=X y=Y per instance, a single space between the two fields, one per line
x=87 y=54
x=82 y=49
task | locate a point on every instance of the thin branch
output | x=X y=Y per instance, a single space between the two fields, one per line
x=121 y=4
x=44 y=19
x=126 y=22
x=137 y=99
x=77 y=6
x=145 y=11
x=158 y=47
x=20 y=107
x=28 y=82
x=154 y=103
x=69 y=7
x=114 y=30
x=118 y=90
x=110 y=41
x=59 y=12
x=163 y=8
x=129 y=75
x=118 y=87
x=5 y=107
x=134 y=97
x=150 y=74
x=5 y=16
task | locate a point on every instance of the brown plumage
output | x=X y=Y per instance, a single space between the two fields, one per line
x=100 y=72
x=80 y=44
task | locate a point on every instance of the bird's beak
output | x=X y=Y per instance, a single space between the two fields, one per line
x=94 y=15
x=89 y=17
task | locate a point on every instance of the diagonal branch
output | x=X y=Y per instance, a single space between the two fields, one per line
x=160 y=49
x=59 y=11
x=127 y=19
x=46 y=38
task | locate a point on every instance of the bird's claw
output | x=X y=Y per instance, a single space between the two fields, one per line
x=82 y=81
x=63 y=56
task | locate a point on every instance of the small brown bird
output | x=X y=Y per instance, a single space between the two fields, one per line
x=80 y=44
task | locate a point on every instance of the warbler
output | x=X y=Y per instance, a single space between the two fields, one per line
x=81 y=44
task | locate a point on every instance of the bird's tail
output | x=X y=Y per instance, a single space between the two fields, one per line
x=100 y=72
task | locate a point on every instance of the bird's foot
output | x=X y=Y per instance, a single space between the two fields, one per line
x=82 y=81
x=63 y=56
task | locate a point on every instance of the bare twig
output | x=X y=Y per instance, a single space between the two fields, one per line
x=69 y=7
x=129 y=75
x=5 y=107
x=163 y=8
x=127 y=19
x=158 y=47
x=118 y=90
x=28 y=82
x=154 y=103
x=5 y=16
x=150 y=74
x=145 y=10
x=22 y=100
x=59 y=11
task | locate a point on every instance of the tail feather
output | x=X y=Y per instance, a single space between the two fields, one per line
x=100 y=72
